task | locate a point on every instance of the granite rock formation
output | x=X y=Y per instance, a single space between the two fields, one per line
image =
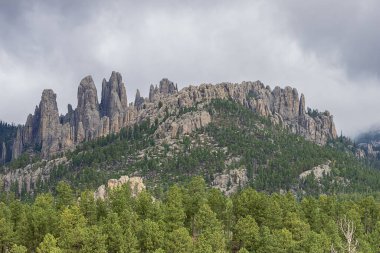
x=87 y=111
x=29 y=177
x=49 y=133
x=231 y=181
x=114 y=97
x=139 y=101
x=136 y=185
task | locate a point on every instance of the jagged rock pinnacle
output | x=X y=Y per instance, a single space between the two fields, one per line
x=139 y=101
x=87 y=110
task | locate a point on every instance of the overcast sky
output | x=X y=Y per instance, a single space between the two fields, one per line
x=328 y=50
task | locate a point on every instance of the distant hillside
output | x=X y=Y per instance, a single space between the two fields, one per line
x=221 y=140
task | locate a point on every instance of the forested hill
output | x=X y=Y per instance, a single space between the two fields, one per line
x=226 y=143
x=219 y=176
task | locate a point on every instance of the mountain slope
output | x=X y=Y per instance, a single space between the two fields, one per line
x=225 y=142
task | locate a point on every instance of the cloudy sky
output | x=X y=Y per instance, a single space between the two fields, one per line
x=328 y=50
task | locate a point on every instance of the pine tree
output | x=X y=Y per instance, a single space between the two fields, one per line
x=115 y=240
x=174 y=212
x=19 y=249
x=48 y=245
x=208 y=229
x=150 y=236
x=178 y=241
x=247 y=233
x=87 y=206
x=94 y=241
x=7 y=235
x=72 y=229
x=65 y=196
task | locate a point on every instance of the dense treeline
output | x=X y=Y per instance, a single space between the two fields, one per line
x=191 y=218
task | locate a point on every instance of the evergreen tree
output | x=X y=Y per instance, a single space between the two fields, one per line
x=208 y=229
x=150 y=236
x=178 y=241
x=48 y=245
x=247 y=233
x=72 y=227
x=115 y=240
x=19 y=249
x=64 y=195
x=174 y=212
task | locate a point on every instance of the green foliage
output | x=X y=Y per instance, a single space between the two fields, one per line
x=274 y=158
x=188 y=218
x=246 y=232
x=178 y=241
x=19 y=249
x=48 y=245
x=150 y=236
x=64 y=195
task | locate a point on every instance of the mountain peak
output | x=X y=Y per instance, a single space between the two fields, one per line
x=92 y=120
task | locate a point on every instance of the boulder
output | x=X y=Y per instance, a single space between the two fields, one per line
x=135 y=183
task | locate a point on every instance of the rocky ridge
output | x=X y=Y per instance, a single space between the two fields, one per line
x=29 y=177
x=50 y=133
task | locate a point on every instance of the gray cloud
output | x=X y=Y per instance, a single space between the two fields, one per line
x=327 y=50
x=344 y=30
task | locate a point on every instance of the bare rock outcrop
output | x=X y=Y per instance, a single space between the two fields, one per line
x=87 y=111
x=369 y=150
x=49 y=125
x=139 y=101
x=167 y=87
x=114 y=96
x=136 y=185
x=48 y=133
x=17 y=145
x=318 y=171
x=186 y=124
x=302 y=109
x=29 y=177
x=152 y=92
x=230 y=181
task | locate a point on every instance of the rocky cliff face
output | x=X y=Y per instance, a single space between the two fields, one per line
x=50 y=133
x=368 y=144
x=87 y=111
x=282 y=106
x=29 y=177
x=47 y=132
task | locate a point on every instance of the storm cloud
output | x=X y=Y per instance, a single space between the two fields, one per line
x=328 y=50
